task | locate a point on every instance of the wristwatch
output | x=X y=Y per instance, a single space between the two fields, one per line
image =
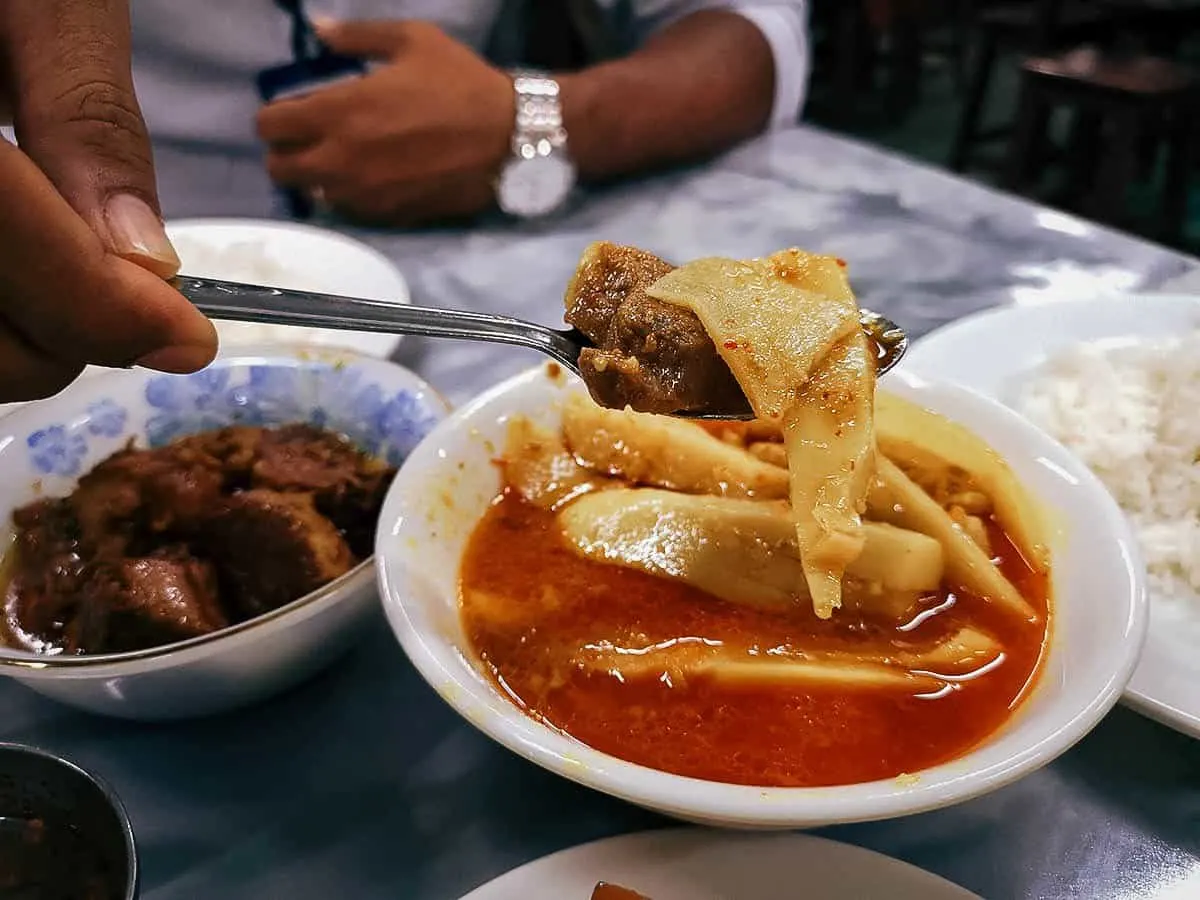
x=539 y=176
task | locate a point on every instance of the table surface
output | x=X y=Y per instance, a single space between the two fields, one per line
x=364 y=784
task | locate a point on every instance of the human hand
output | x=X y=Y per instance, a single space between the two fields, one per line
x=418 y=139
x=83 y=254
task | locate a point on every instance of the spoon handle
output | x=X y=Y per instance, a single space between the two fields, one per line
x=277 y=306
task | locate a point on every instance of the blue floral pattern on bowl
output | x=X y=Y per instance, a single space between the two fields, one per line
x=190 y=403
x=106 y=418
x=374 y=412
x=56 y=450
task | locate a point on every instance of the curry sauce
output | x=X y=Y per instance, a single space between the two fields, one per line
x=528 y=601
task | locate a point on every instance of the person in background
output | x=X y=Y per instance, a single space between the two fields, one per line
x=439 y=127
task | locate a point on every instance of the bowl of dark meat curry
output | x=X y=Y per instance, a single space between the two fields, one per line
x=859 y=604
x=181 y=545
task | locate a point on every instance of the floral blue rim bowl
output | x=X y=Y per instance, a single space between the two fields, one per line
x=44 y=447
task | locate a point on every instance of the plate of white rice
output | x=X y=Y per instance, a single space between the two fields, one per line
x=1117 y=381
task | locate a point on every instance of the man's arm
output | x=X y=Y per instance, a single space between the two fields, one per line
x=424 y=136
x=785 y=27
x=697 y=86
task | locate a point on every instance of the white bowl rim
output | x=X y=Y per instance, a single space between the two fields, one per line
x=749 y=805
x=32 y=664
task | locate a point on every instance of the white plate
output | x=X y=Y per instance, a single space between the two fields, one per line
x=993 y=351
x=290 y=255
x=699 y=864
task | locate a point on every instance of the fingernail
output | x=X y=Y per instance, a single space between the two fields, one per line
x=138 y=235
x=322 y=23
x=181 y=360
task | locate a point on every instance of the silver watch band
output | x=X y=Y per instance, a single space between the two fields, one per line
x=538 y=130
x=539 y=175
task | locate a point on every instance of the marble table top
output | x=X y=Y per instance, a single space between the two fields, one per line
x=363 y=784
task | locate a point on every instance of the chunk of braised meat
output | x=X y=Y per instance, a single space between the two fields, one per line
x=134 y=602
x=47 y=532
x=607 y=276
x=347 y=485
x=136 y=492
x=100 y=602
x=649 y=355
x=172 y=592
x=354 y=508
x=234 y=448
x=304 y=458
x=272 y=547
x=41 y=596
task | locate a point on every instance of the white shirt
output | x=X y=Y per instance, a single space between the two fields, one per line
x=195 y=62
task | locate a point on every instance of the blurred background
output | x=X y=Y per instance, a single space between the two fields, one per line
x=1086 y=105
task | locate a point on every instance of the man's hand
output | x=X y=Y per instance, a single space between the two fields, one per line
x=83 y=253
x=420 y=138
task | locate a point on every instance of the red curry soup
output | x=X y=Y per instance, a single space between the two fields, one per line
x=680 y=646
x=846 y=588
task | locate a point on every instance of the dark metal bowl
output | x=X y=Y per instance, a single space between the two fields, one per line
x=35 y=784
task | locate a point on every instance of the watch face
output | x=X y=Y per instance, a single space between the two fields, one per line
x=534 y=187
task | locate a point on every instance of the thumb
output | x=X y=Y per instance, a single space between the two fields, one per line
x=378 y=39
x=77 y=118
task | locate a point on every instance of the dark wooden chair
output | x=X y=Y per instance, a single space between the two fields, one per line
x=1040 y=27
x=901 y=25
x=1117 y=101
x=847 y=60
x=869 y=56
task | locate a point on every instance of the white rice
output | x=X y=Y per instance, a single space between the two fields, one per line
x=1131 y=412
x=247 y=261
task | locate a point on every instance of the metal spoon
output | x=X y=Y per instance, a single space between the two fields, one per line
x=276 y=306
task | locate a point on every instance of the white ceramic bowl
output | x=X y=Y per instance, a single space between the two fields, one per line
x=46 y=445
x=1098 y=626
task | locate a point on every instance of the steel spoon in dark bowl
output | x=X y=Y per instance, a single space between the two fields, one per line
x=64 y=835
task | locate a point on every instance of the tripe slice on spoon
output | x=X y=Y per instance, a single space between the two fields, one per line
x=788 y=328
